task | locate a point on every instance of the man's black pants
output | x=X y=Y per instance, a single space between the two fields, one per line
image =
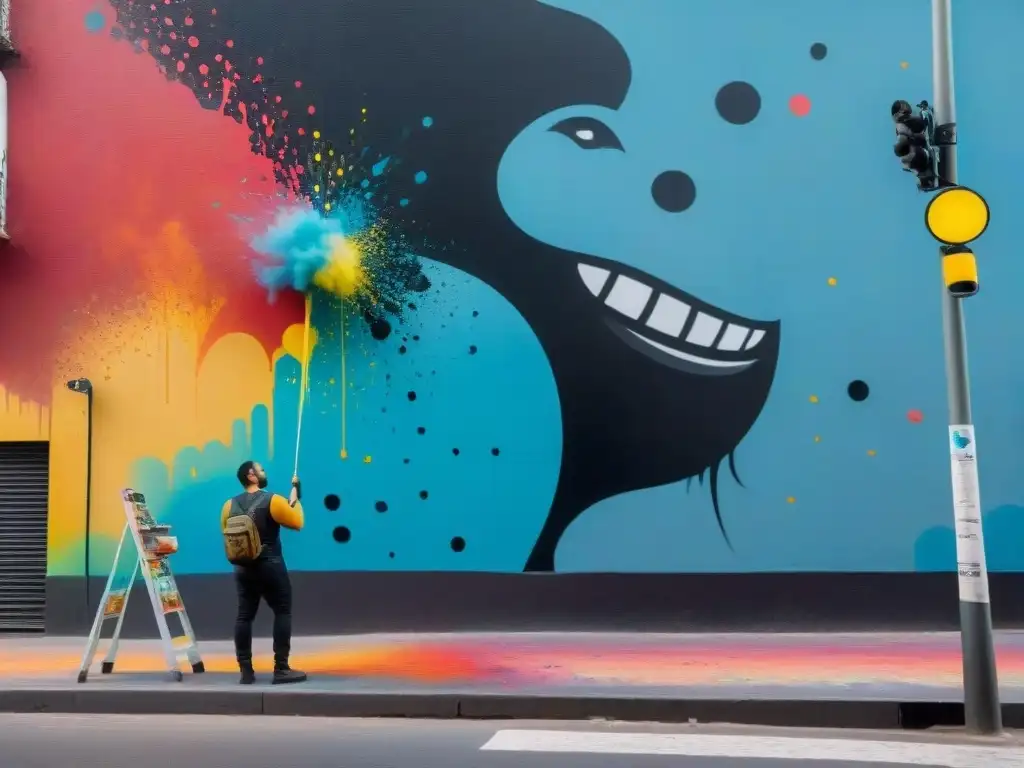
x=266 y=579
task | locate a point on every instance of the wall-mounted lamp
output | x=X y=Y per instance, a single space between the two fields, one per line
x=84 y=387
x=80 y=385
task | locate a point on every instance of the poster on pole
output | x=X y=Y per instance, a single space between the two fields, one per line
x=972 y=574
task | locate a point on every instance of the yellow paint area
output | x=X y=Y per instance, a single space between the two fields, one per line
x=956 y=216
x=22 y=420
x=152 y=395
x=343 y=275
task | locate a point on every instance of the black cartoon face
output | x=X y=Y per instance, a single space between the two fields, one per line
x=563 y=178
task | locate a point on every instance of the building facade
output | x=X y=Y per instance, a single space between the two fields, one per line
x=648 y=330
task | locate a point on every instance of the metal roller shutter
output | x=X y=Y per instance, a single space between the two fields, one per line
x=24 y=481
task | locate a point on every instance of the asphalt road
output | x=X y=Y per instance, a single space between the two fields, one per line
x=119 y=741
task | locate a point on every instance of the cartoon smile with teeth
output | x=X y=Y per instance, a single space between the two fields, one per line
x=657 y=385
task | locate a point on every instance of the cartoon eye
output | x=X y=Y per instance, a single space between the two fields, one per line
x=588 y=133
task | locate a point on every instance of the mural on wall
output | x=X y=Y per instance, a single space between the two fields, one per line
x=639 y=291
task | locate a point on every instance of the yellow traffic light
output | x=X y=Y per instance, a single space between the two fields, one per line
x=956 y=216
x=960 y=271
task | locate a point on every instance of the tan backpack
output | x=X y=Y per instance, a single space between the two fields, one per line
x=242 y=542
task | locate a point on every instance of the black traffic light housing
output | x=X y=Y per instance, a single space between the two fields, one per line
x=915 y=143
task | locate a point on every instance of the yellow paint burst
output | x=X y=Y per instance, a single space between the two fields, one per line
x=904 y=64
x=832 y=281
x=872 y=452
x=817 y=438
x=316 y=134
x=791 y=499
x=367 y=459
x=813 y=398
x=344 y=274
x=344 y=453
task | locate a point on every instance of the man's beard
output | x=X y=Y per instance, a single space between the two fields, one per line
x=261 y=482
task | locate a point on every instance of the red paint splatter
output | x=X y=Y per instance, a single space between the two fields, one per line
x=218 y=57
x=213 y=11
x=302 y=131
x=298 y=83
x=204 y=69
x=230 y=43
x=180 y=66
x=277 y=99
x=165 y=50
x=48 y=292
x=168 y=21
x=226 y=86
x=189 y=21
x=311 y=109
x=259 y=60
x=800 y=105
x=915 y=416
x=173 y=35
x=193 y=41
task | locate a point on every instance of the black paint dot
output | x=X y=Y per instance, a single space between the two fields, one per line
x=391 y=555
x=405 y=461
x=380 y=329
x=332 y=501
x=455 y=451
x=381 y=506
x=415 y=338
x=495 y=451
x=402 y=350
x=472 y=349
x=858 y=390
x=420 y=283
x=673 y=191
x=819 y=51
x=424 y=495
x=342 y=535
x=421 y=430
x=738 y=102
x=475 y=313
x=458 y=544
x=411 y=395
x=411 y=305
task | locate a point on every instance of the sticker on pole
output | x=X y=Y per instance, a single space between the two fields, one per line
x=972 y=575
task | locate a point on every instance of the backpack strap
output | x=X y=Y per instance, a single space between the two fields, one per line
x=253 y=503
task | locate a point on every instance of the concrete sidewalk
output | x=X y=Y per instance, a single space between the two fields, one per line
x=833 y=680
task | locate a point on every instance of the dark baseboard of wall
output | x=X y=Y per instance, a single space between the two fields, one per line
x=340 y=602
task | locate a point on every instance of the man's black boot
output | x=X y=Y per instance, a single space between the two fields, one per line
x=285 y=674
x=248 y=674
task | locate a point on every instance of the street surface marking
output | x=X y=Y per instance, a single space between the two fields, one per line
x=774 y=747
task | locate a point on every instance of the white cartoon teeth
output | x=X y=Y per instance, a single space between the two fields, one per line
x=593 y=277
x=671 y=317
x=629 y=297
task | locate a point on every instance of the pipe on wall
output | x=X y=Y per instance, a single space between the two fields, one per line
x=3 y=158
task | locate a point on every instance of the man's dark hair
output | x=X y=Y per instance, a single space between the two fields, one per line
x=243 y=472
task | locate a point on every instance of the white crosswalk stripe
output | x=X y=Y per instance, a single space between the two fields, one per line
x=747 y=747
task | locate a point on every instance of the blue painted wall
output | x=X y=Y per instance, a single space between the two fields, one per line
x=801 y=216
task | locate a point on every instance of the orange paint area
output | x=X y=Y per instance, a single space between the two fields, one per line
x=523 y=662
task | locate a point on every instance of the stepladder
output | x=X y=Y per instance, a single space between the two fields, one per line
x=145 y=547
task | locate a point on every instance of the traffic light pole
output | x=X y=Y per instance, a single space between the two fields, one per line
x=981 y=689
